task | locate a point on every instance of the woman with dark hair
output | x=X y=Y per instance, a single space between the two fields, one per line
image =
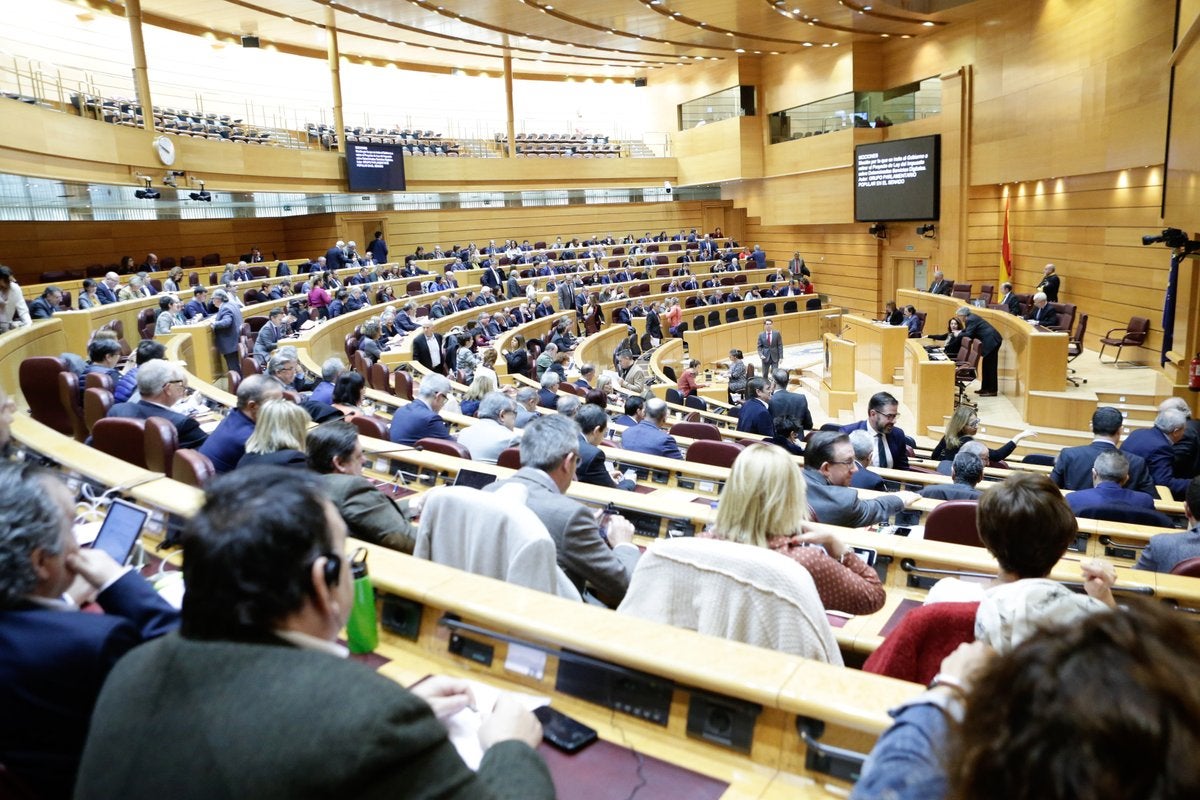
x=1103 y=708
x=318 y=298
x=348 y=392
x=593 y=315
x=687 y=383
x=952 y=336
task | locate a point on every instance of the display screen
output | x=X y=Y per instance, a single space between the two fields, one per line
x=897 y=180
x=375 y=167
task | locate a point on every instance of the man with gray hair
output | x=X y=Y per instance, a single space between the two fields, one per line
x=1186 y=450
x=548 y=394
x=546 y=358
x=601 y=562
x=270 y=334
x=493 y=433
x=227 y=329
x=283 y=366
x=419 y=419
x=527 y=406
x=976 y=327
x=56 y=658
x=161 y=385
x=568 y=406
x=331 y=370
x=1042 y=313
x=863 y=442
x=648 y=435
x=967 y=471
x=227 y=444
x=1156 y=446
x=1110 y=473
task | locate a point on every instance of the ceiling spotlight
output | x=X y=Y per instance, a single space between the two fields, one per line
x=147 y=193
x=201 y=195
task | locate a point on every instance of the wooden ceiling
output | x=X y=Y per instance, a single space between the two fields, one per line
x=550 y=38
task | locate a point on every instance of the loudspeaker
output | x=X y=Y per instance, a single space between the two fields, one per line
x=639 y=83
x=249 y=41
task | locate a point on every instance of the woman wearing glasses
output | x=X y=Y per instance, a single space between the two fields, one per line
x=963 y=426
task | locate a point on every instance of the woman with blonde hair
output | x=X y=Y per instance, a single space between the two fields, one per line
x=765 y=504
x=480 y=387
x=962 y=427
x=279 y=436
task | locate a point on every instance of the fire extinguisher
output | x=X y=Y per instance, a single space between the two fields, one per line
x=1194 y=374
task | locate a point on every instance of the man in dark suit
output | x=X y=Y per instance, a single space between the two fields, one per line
x=1166 y=550
x=419 y=419
x=378 y=249
x=1049 y=284
x=770 y=347
x=1042 y=313
x=227 y=443
x=864 y=457
x=513 y=286
x=162 y=384
x=427 y=349
x=891 y=447
x=648 y=435
x=44 y=307
x=55 y=658
x=1009 y=300
x=966 y=471
x=1073 y=467
x=593 y=427
x=335 y=257
x=1187 y=450
x=1110 y=472
x=227 y=329
x=1156 y=446
x=493 y=278
x=940 y=285
x=242 y=273
x=976 y=327
x=107 y=289
x=270 y=334
x=257 y=686
x=789 y=404
x=549 y=451
x=197 y=307
x=755 y=416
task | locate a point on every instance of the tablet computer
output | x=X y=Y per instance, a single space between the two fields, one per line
x=476 y=480
x=120 y=530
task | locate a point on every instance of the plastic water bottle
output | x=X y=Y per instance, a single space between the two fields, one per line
x=362 y=629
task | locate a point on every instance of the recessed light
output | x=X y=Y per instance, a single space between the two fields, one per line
x=927 y=24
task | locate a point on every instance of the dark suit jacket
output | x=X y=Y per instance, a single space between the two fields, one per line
x=895 y=441
x=646 y=437
x=227 y=444
x=266 y=341
x=942 y=287
x=582 y=553
x=190 y=434
x=1154 y=446
x=755 y=418
x=209 y=720
x=227 y=327
x=1045 y=316
x=420 y=351
x=864 y=478
x=989 y=338
x=791 y=404
x=1049 y=286
x=417 y=421
x=951 y=491
x=40 y=309
x=1011 y=302
x=105 y=294
x=1073 y=468
x=590 y=468
x=52 y=666
x=1109 y=496
x=334 y=258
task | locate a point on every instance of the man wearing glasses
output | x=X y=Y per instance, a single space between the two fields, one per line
x=828 y=467
x=891 y=446
x=162 y=385
x=419 y=419
x=595 y=555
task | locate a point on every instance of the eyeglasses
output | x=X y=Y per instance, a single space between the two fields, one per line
x=849 y=463
x=179 y=382
x=886 y=416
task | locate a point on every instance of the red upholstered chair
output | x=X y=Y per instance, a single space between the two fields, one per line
x=232 y=381
x=160 y=441
x=369 y=426
x=509 y=457
x=696 y=430
x=447 y=447
x=953 y=521
x=403 y=384
x=121 y=438
x=250 y=367
x=718 y=454
x=192 y=467
x=1132 y=335
x=38 y=378
x=97 y=380
x=146 y=320
x=377 y=378
x=1189 y=567
x=72 y=403
x=96 y=403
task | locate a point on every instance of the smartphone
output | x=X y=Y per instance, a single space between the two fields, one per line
x=867 y=554
x=566 y=734
x=899 y=531
x=120 y=530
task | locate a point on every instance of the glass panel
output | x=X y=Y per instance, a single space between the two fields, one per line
x=858 y=110
x=736 y=101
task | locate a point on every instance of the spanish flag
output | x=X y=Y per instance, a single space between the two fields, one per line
x=1005 y=253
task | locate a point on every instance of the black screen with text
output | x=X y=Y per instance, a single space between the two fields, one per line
x=897 y=180
x=375 y=167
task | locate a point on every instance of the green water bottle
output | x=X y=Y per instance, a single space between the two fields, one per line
x=362 y=630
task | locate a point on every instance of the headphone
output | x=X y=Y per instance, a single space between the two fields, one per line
x=333 y=569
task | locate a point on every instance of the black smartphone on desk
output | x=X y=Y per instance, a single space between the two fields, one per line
x=566 y=734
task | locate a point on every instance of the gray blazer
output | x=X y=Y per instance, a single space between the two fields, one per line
x=1166 y=550
x=841 y=505
x=582 y=552
x=951 y=491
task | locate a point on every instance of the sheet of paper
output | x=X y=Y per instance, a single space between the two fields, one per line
x=464 y=726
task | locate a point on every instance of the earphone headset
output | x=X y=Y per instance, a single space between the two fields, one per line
x=333 y=569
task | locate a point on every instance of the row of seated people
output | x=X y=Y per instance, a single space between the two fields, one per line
x=558 y=138
x=653 y=561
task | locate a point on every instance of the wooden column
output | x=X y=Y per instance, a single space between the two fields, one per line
x=335 y=75
x=141 y=78
x=511 y=150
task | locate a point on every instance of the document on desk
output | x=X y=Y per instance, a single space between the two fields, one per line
x=464 y=726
